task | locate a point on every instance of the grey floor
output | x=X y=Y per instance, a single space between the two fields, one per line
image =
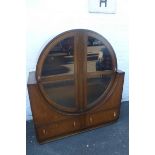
x=109 y=140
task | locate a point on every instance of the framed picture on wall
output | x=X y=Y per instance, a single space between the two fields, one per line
x=102 y=6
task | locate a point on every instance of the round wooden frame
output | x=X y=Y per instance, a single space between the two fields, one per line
x=80 y=35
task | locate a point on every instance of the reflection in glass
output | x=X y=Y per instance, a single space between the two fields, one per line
x=60 y=59
x=98 y=56
x=96 y=87
x=61 y=92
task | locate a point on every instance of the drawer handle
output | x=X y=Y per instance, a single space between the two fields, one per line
x=90 y=119
x=115 y=114
x=74 y=124
x=44 y=131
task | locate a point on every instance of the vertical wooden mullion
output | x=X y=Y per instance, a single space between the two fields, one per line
x=85 y=70
x=76 y=70
x=80 y=69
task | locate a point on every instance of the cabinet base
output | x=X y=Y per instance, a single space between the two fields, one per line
x=51 y=124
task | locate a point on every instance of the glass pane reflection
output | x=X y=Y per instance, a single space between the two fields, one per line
x=61 y=92
x=96 y=87
x=98 y=56
x=60 y=59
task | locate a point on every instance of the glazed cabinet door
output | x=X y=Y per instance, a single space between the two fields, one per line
x=96 y=68
x=100 y=68
x=76 y=70
x=57 y=74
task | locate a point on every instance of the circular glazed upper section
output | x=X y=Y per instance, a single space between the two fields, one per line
x=76 y=70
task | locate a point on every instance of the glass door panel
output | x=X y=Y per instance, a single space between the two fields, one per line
x=96 y=86
x=58 y=74
x=60 y=59
x=98 y=56
x=61 y=92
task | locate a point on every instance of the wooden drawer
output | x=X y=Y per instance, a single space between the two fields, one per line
x=75 y=125
x=59 y=129
x=101 y=117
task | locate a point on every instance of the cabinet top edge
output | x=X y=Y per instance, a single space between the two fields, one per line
x=32 y=78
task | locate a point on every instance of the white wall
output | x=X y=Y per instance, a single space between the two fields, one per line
x=48 y=18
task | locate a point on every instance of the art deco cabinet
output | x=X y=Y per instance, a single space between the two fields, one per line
x=76 y=85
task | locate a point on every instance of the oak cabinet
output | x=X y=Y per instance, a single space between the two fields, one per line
x=76 y=85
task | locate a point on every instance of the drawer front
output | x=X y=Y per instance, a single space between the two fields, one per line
x=74 y=125
x=102 y=117
x=59 y=129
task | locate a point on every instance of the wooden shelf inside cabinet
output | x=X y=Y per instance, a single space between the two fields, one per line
x=76 y=85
